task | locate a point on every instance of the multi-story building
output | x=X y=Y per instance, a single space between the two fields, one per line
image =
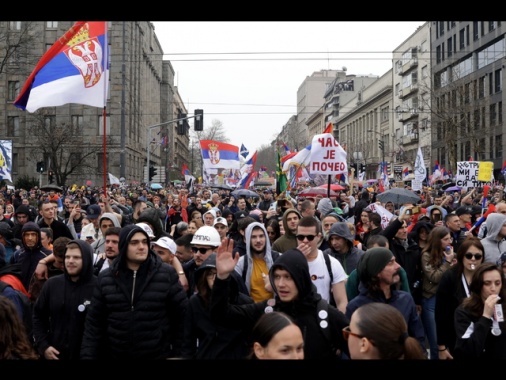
x=141 y=95
x=467 y=67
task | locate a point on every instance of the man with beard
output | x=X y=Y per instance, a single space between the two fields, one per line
x=111 y=246
x=60 y=310
x=379 y=275
x=255 y=264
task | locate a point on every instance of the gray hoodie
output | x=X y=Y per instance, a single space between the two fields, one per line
x=99 y=245
x=348 y=259
x=494 y=243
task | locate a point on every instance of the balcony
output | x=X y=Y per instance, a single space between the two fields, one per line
x=411 y=138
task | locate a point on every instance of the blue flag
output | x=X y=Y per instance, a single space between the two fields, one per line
x=244 y=151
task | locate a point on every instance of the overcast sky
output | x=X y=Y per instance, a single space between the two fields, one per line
x=254 y=94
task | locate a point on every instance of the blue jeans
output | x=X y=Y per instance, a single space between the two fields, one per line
x=429 y=324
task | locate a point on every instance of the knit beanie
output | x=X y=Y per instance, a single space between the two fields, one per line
x=373 y=262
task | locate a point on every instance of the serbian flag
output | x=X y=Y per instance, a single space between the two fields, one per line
x=185 y=171
x=329 y=129
x=503 y=170
x=218 y=155
x=405 y=171
x=74 y=70
x=287 y=150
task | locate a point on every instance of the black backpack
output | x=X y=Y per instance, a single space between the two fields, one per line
x=27 y=308
x=329 y=268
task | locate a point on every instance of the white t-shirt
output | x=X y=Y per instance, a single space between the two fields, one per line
x=320 y=274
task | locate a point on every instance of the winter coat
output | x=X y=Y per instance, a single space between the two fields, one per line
x=135 y=314
x=288 y=240
x=303 y=309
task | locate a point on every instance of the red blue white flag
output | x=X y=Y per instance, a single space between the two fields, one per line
x=74 y=70
x=218 y=155
x=185 y=170
x=247 y=172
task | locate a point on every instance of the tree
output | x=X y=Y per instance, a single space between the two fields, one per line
x=61 y=147
x=14 y=56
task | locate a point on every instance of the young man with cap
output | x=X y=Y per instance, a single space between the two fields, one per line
x=221 y=226
x=138 y=307
x=465 y=213
x=379 y=276
x=266 y=203
x=166 y=248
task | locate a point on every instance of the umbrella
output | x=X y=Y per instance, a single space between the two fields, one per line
x=315 y=191
x=221 y=186
x=245 y=193
x=156 y=186
x=453 y=188
x=447 y=185
x=333 y=186
x=398 y=196
x=50 y=187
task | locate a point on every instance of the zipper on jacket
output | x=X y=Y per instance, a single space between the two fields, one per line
x=133 y=291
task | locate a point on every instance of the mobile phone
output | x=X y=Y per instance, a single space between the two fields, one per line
x=89 y=237
x=436 y=217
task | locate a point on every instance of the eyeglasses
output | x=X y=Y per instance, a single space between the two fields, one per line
x=308 y=237
x=200 y=250
x=477 y=256
x=347 y=332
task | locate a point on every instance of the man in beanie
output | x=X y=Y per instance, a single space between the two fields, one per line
x=378 y=273
x=138 y=307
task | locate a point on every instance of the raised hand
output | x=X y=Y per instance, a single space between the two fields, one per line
x=225 y=258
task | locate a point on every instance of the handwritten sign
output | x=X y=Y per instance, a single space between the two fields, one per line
x=327 y=156
x=468 y=174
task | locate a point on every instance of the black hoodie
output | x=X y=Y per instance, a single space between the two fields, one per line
x=29 y=257
x=60 y=310
x=303 y=309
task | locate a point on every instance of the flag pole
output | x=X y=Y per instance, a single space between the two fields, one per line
x=104 y=112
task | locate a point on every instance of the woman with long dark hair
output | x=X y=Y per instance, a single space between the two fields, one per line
x=479 y=321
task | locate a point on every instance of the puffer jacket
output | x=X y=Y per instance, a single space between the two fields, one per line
x=135 y=314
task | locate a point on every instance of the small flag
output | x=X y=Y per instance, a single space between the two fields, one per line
x=405 y=171
x=113 y=180
x=329 y=129
x=244 y=151
x=185 y=171
x=503 y=170
x=287 y=150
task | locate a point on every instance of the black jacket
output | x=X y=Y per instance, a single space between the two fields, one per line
x=60 y=310
x=303 y=309
x=135 y=314
x=204 y=339
x=408 y=258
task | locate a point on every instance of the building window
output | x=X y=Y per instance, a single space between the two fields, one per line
x=101 y=125
x=449 y=47
x=14 y=25
x=493 y=115
x=13 y=90
x=476 y=118
x=498 y=81
x=491 y=26
x=441 y=28
x=77 y=120
x=462 y=39
x=51 y=24
x=481 y=88
x=499 y=113
x=498 y=146
x=438 y=54
x=100 y=163
x=50 y=121
x=425 y=71
x=385 y=113
x=476 y=30
x=13 y=126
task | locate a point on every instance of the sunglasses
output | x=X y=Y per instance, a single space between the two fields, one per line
x=200 y=250
x=477 y=256
x=308 y=237
x=347 y=332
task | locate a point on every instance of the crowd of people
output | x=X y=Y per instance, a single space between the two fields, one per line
x=134 y=273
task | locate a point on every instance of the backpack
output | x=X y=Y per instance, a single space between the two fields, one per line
x=275 y=255
x=27 y=308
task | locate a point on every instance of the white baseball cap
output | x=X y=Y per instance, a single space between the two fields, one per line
x=167 y=243
x=220 y=220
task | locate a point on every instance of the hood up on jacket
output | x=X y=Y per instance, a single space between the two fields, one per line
x=111 y=217
x=341 y=229
x=87 y=257
x=285 y=216
x=249 y=230
x=124 y=238
x=31 y=226
x=495 y=222
x=295 y=263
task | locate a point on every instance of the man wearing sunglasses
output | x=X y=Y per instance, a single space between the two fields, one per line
x=205 y=241
x=330 y=279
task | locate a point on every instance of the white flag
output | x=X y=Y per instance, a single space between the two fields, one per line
x=420 y=171
x=113 y=180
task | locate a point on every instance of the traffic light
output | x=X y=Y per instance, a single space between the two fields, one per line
x=381 y=144
x=41 y=167
x=389 y=168
x=199 y=120
x=152 y=173
x=362 y=168
x=181 y=130
x=50 y=176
